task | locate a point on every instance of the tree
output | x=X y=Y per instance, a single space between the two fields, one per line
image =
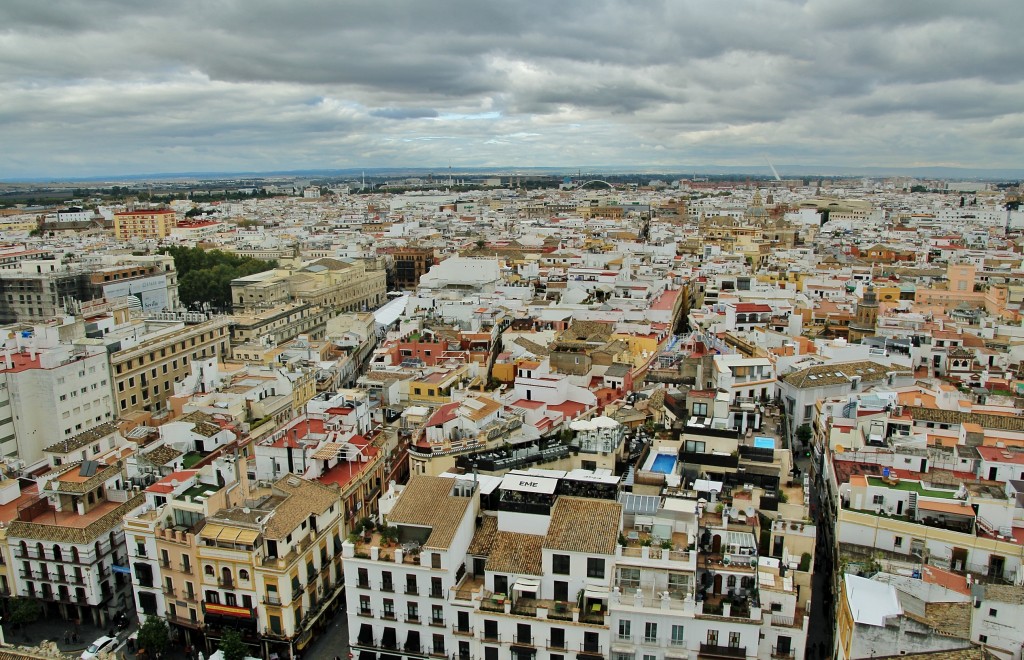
x=24 y=610
x=232 y=646
x=153 y=635
x=803 y=434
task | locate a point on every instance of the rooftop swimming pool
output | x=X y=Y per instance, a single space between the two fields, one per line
x=664 y=463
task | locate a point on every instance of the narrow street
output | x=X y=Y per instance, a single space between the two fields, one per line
x=333 y=641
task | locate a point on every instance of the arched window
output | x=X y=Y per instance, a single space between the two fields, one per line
x=731 y=582
x=243 y=574
x=40 y=551
x=208 y=569
x=74 y=554
x=56 y=553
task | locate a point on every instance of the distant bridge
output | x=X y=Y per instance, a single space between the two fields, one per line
x=587 y=183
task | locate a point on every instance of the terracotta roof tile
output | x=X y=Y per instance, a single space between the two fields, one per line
x=428 y=502
x=580 y=524
x=514 y=552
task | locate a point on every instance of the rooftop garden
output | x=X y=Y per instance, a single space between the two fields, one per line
x=914 y=486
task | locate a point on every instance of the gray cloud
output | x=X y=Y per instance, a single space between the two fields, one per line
x=115 y=86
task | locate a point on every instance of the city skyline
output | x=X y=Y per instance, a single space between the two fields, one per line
x=110 y=88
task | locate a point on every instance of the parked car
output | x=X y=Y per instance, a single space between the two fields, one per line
x=99 y=646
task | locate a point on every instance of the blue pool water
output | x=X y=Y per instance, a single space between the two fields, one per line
x=764 y=443
x=664 y=463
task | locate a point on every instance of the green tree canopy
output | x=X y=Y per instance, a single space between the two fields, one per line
x=25 y=610
x=205 y=276
x=153 y=635
x=232 y=646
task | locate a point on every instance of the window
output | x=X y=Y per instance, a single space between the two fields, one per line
x=983 y=638
x=678 y=584
x=629 y=579
x=877 y=499
x=413 y=612
x=625 y=627
x=992 y=611
x=650 y=633
x=364 y=604
x=677 y=636
x=560 y=564
x=700 y=410
x=436 y=614
x=898 y=542
x=490 y=653
x=389 y=608
x=734 y=640
x=557 y=640
x=243 y=574
x=208 y=569
x=363 y=578
x=694 y=447
x=595 y=567
x=438 y=645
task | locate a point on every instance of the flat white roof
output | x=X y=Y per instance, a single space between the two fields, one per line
x=870 y=601
x=580 y=474
x=529 y=484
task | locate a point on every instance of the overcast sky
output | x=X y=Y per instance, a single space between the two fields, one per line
x=91 y=87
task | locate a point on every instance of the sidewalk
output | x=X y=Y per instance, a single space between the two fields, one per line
x=33 y=634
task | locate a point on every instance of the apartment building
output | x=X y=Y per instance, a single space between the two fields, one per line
x=49 y=391
x=279 y=323
x=64 y=537
x=411 y=263
x=162 y=544
x=518 y=565
x=262 y=559
x=151 y=356
x=144 y=224
x=271 y=569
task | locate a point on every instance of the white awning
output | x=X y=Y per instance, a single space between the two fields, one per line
x=526 y=584
x=596 y=592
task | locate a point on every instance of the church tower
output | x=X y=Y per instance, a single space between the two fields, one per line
x=867 y=316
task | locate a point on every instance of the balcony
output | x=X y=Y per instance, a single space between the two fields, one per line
x=387 y=586
x=787 y=652
x=365 y=611
x=389 y=615
x=272 y=600
x=523 y=640
x=411 y=590
x=462 y=630
x=716 y=651
x=437 y=622
x=556 y=644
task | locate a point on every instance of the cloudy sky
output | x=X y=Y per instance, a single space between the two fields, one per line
x=94 y=87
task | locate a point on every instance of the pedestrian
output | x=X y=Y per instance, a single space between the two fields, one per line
x=67 y=637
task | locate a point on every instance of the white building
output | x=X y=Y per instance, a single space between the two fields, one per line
x=50 y=391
